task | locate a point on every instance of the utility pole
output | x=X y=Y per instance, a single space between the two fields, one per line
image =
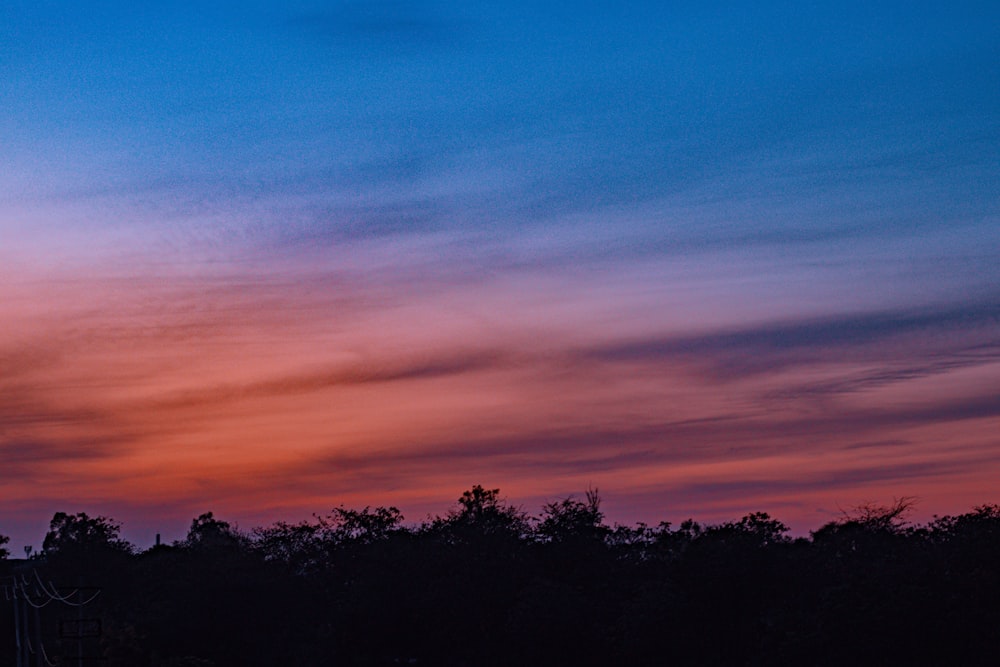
x=79 y=621
x=39 y=651
x=17 y=624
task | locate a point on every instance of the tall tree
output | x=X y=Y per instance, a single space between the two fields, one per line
x=76 y=533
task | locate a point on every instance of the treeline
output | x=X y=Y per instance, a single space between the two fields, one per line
x=488 y=584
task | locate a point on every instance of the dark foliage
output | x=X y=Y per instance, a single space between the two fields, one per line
x=487 y=584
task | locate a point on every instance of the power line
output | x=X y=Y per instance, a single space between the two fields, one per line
x=46 y=656
x=25 y=593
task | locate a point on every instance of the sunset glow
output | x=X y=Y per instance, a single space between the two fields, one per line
x=266 y=260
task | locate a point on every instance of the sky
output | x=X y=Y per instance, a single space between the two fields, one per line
x=267 y=258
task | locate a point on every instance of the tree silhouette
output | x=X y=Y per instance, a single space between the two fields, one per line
x=487 y=585
x=207 y=532
x=481 y=515
x=483 y=511
x=570 y=520
x=79 y=533
x=300 y=546
x=363 y=526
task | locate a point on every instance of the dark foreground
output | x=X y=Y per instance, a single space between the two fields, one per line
x=488 y=585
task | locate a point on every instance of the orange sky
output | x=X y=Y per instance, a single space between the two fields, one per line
x=266 y=396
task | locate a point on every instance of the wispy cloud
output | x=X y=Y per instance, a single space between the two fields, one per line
x=772 y=346
x=382 y=26
x=892 y=372
x=378 y=372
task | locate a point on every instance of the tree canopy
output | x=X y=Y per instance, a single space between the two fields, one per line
x=489 y=584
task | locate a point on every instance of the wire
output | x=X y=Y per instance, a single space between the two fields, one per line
x=18 y=587
x=46 y=656
x=27 y=598
x=38 y=593
x=83 y=603
x=18 y=590
x=17 y=624
x=54 y=593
